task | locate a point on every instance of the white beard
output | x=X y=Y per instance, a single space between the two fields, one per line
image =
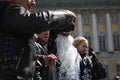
x=67 y=54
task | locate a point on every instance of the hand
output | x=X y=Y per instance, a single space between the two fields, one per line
x=50 y=60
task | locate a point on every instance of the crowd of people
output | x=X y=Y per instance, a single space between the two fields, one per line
x=24 y=37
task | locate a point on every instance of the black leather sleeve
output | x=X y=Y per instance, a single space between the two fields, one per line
x=17 y=18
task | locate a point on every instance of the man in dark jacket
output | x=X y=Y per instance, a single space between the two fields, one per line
x=17 y=26
x=41 y=71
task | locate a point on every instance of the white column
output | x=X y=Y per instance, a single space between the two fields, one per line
x=95 y=33
x=80 y=32
x=109 y=32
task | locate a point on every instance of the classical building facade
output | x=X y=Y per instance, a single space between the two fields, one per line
x=99 y=22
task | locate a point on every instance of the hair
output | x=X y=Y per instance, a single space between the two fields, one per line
x=78 y=40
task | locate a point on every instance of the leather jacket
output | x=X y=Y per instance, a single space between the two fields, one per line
x=41 y=70
x=17 y=26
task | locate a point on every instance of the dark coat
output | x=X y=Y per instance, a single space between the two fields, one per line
x=95 y=68
x=41 y=70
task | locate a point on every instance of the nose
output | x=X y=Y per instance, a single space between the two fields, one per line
x=85 y=48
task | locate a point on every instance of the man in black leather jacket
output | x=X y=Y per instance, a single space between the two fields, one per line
x=17 y=26
x=41 y=72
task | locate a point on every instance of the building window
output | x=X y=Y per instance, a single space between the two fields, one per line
x=102 y=42
x=100 y=17
x=114 y=17
x=88 y=37
x=86 y=18
x=116 y=39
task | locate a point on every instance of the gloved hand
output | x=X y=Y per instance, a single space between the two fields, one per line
x=65 y=20
x=92 y=53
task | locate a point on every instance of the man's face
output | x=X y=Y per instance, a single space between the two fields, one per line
x=44 y=36
x=26 y=3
